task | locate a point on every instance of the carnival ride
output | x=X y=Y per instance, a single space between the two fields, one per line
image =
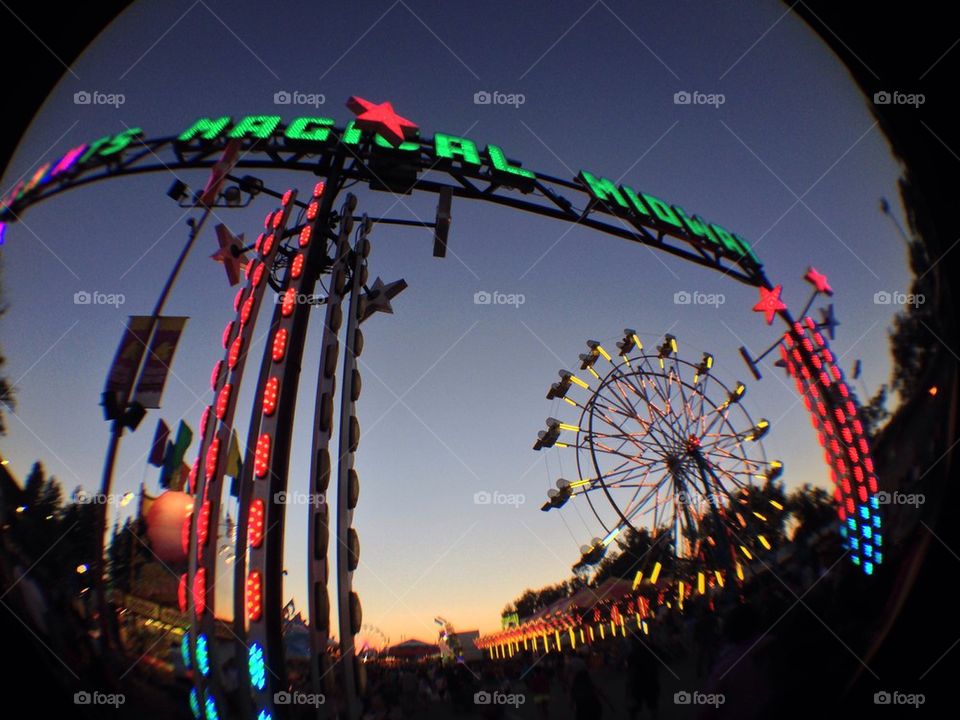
x=675 y=447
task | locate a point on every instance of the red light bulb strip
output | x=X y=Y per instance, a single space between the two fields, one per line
x=225 y=379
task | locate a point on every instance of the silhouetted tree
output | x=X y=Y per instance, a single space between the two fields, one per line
x=813 y=509
x=632 y=553
x=874 y=414
x=121 y=555
x=912 y=340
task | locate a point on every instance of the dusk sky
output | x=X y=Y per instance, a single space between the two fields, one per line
x=453 y=391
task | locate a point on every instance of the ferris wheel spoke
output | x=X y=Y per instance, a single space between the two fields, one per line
x=652 y=492
x=750 y=463
x=641 y=445
x=723 y=441
x=609 y=451
x=658 y=416
x=680 y=386
x=664 y=418
x=635 y=438
x=620 y=402
x=701 y=385
x=639 y=482
x=719 y=414
x=650 y=425
x=718 y=474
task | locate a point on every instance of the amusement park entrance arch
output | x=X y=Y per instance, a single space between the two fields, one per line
x=306 y=239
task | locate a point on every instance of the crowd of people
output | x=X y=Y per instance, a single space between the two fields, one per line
x=730 y=648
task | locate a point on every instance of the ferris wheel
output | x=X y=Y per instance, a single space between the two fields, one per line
x=663 y=447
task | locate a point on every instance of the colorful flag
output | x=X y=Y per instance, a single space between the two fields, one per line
x=234 y=464
x=157 y=449
x=154 y=374
x=179 y=480
x=173 y=459
x=233 y=456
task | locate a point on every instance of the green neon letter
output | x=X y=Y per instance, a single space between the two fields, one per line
x=663 y=211
x=315 y=129
x=602 y=188
x=406 y=146
x=451 y=147
x=747 y=249
x=94 y=148
x=118 y=143
x=206 y=128
x=259 y=127
x=351 y=134
x=695 y=225
x=635 y=202
x=499 y=162
x=727 y=240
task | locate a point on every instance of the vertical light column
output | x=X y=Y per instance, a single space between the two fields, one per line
x=835 y=417
x=318 y=530
x=299 y=281
x=264 y=481
x=198 y=587
x=350 y=613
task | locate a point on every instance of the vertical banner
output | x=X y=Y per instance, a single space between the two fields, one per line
x=159 y=358
x=128 y=357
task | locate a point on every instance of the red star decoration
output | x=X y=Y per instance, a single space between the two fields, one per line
x=230 y=253
x=383 y=119
x=770 y=303
x=818 y=280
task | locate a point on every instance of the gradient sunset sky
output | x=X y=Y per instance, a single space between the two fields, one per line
x=453 y=392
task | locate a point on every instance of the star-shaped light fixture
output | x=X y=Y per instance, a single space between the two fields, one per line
x=770 y=303
x=383 y=119
x=828 y=321
x=818 y=280
x=230 y=253
x=380 y=295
